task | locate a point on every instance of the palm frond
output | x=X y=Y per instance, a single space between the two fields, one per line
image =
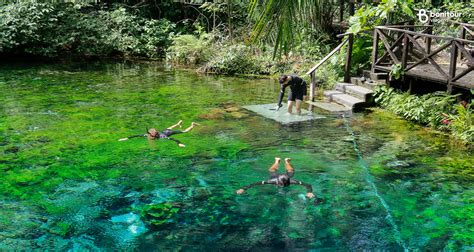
x=278 y=21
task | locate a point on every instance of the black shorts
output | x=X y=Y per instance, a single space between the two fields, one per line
x=297 y=93
x=295 y=96
x=169 y=132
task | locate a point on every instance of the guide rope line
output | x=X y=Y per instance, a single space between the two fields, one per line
x=369 y=180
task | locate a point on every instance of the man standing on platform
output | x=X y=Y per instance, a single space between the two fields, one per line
x=297 y=93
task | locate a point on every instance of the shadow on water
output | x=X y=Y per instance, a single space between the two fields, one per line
x=71 y=185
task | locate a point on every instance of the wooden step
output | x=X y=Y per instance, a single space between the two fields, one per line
x=346 y=100
x=330 y=93
x=366 y=83
x=330 y=106
x=368 y=74
x=372 y=85
x=359 y=92
x=341 y=86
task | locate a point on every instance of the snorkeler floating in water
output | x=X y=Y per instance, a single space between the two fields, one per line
x=281 y=179
x=153 y=133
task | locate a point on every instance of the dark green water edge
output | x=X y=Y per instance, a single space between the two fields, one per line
x=67 y=183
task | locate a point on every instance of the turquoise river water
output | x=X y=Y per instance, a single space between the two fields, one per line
x=67 y=183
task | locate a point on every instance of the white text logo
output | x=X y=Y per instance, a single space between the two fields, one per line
x=424 y=15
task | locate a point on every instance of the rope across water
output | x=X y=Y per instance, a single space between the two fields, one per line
x=369 y=180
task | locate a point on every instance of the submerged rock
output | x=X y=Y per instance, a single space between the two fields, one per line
x=232 y=109
x=165 y=194
x=13 y=149
x=134 y=226
x=398 y=164
x=214 y=113
x=125 y=218
x=349 y=139
x=238 y=115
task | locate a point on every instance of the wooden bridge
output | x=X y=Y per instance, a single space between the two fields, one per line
x=422 y=55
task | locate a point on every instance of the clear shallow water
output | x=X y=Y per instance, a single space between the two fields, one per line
x=67 y=183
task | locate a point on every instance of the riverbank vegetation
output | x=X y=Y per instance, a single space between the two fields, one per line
x=53 y=30
x=246 y=37
x=438 y=110
x=223 y=37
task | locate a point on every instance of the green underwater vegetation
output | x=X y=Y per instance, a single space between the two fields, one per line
x=67 y=183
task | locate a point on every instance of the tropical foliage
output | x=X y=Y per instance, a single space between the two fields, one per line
x=238 y=58
x=50 y=30
x=438 y=110
x=461 y=123
x=190 y=49
x=390 y=11
x=281 y=21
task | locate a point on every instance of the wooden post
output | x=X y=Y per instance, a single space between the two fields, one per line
x=405 y=51
x=452 y=65
x=312 y=86
x=428 y=39
x=375 y=49
x=411 y=23
x=462 y=35
x=347 y=68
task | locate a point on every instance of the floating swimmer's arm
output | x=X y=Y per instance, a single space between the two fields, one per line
x=282 y=93
x=176 y=141
x=309 y=188
x=126 y=138
x=268 y=182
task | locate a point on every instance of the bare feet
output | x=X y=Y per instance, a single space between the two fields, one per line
x=277 y=159
x=180 y=123
x=240 y=191
x=287 y=160
x=181 y=145
x=194 y=124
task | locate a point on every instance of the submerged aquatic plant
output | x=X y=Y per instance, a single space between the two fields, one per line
x=156 y=215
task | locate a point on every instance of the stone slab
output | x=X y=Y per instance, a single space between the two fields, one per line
x=346 y=100
x=282 y=116
x=330 y=106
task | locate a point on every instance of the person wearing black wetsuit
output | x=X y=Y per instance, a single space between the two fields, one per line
x=281 y=179
x=297 y=93
x=153 y=134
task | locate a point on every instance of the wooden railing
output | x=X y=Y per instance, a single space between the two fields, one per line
x=312 y=71
x=402 y=46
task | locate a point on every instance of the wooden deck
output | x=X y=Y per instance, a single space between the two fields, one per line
x=429 y=73
x=422 y=55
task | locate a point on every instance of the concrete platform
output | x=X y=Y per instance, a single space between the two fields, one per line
x=282 y=116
